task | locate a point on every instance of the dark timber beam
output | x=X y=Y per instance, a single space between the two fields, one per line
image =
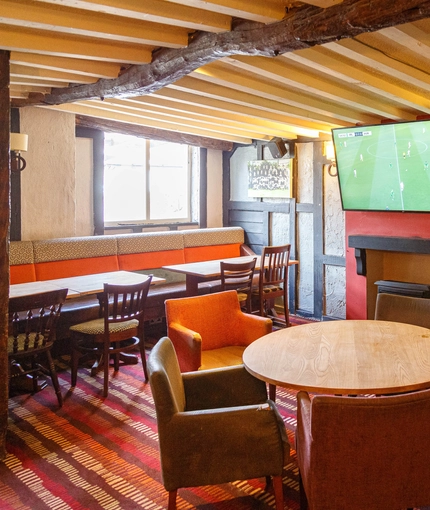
x=303 y=27
x=152 y=133
x=4 y=243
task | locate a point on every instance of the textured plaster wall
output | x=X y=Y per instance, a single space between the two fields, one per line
x=239 y=173
x=214 y=188
x=334 y=244
x=305 y=246
x=48 y=183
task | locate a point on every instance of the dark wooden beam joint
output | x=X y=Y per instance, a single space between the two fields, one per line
x=303 y=27
x=360 y=260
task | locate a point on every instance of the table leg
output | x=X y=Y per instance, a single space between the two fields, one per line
x=192 y=284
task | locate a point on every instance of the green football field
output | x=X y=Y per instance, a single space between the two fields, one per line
x=384 y=167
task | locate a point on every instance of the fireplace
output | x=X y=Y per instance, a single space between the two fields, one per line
x=395 y=259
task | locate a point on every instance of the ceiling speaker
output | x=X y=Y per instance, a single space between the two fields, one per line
x=277 y=148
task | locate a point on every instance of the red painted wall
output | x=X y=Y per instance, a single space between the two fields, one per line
x=376 y=224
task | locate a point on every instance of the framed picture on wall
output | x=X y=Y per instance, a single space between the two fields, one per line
x=270 y=178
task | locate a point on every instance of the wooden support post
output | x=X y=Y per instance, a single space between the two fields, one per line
x=4 y=242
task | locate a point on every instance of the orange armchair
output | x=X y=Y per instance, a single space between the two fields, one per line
x=211 y=331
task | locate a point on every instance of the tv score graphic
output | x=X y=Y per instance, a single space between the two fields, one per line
x=355 y=133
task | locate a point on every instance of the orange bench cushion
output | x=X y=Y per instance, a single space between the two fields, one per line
x=22 y=273
x=75 y=267
x=218 y=251
x=149 y=260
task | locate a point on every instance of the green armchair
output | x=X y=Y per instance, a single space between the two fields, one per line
x=214 y=426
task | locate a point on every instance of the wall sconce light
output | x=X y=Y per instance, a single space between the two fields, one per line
x=18 y=144
x=329 y=154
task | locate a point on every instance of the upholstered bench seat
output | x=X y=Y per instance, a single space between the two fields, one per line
x=145 y=252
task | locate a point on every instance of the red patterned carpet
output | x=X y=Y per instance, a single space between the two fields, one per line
x=97 y=453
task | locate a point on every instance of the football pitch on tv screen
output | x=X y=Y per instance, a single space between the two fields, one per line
x=384 y=167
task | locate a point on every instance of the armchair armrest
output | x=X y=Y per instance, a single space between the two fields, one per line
x=303 y=431
x=222 y=387
x=249 y=327
x=187 y=345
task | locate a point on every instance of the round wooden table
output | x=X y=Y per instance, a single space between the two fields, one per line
x=344 y=357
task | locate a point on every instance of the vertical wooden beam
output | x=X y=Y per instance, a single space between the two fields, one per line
x=318 y=223
x=4 y=242
x=15 y=186
x=203 y=214
x=98 y=176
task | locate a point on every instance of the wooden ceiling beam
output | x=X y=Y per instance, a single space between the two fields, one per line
x=384 y=87
x=91 y=109
x=20 y=71
x=254 y=10
x=199 y=116
x=154 y=11
x=303 y=27
x=153 y=134
x=285 y=72
x=275 y=102
x=74 y=22
x=252 y=84
x=20 y=39
x=373 y=58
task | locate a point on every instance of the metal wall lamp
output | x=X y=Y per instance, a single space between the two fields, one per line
x=18 y=144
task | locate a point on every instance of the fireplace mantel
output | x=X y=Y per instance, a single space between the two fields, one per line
x=382 y=243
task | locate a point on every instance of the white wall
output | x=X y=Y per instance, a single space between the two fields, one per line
x=48 y=182
x=84 y=187
x=214 y=188
x=57 y=194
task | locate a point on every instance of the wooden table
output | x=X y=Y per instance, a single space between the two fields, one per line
x=81 y=285
x=344 y=357
x=208 y=270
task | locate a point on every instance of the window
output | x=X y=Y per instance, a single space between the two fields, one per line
x=147 y=181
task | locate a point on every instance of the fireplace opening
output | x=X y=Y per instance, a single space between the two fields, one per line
x=404 y=288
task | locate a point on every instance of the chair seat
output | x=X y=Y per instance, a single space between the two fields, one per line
x=241 y=296
x=267 y=289
x=97 y=326
x=222 y=357
x=20 y=345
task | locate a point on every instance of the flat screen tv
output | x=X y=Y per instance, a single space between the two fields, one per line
x=384 y=167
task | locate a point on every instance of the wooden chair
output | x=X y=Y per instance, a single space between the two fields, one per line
x=119 y=330
x=32 y=322
x=360 y=452
x=211 y=331
x=273 y=282
x=407 y=309
x=214 y=426
x=239 y=276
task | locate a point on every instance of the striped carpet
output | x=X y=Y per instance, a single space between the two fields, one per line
x=103 y=454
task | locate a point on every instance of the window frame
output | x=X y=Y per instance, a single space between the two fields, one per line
x=198 y=205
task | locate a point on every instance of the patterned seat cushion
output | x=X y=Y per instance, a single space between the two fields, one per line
x=97 y=327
